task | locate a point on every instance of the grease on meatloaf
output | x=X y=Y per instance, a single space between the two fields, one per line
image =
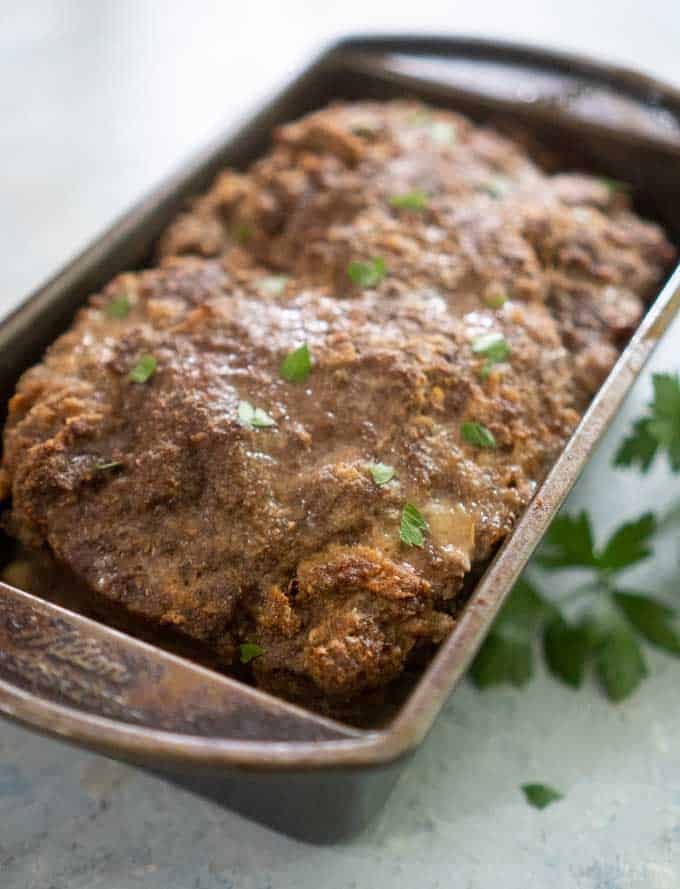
x=493 y=223
x=278 y=535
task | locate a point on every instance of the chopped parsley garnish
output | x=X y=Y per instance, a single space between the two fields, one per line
x=112 y=464
x=494 y=347
x=541 y=795
x=494 y=296
x=250 y=416
x=144 y=369
x=442 y=133
x=241 y=232
x=412 y=526
x=119 y=308
x=381 y=473
x=249 y=651
x=411 y=200
x=659 y=429
x=272 y=285
x=296 y=366
x=367 y=274
x=477 y=435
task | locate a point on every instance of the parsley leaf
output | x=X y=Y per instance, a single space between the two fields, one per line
x=629 y=544
x=412 y=526
x=659 y=429
x=250 y=416
x=119 y=308
x=653 y=620
x=541 y=795
x=381 y=473
x=367 y=274
x=249 y=651
x=619 y=662
x=639 y=447
x=502 y=660
x=666 y=395
x=494 y=347
x=296 y=366
x=567 y=649
x=506 y=655
x=610 y=624
x=494 y=296
x=112 y=464
x=144 y=369
x=568 y=543
x=523 y=611
x=477 y=435
x=664 y=423
x=412 y=200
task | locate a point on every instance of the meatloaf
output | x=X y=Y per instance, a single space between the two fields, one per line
x=296 y=437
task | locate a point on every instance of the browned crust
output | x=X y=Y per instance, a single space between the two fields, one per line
x=279 y=536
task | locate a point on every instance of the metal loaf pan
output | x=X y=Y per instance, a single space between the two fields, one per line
x=73 y=677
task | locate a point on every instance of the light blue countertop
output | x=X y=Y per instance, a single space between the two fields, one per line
x=77 y=146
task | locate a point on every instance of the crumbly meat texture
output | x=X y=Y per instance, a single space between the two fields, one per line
x=279 y=535
x=493 y=223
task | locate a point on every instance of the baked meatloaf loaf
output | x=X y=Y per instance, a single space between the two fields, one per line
x=295 y=438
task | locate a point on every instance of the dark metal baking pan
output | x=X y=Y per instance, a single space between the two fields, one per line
x=75 y=678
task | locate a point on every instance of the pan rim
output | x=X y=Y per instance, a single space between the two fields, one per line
x=417 y=714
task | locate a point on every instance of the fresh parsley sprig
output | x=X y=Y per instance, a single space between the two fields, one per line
x=253 y=417
x=658 y=430
x=610 y=621
x=416 y=200
x=540 y=796
x=248 y=651
x=367 y=274
x=610 y=624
